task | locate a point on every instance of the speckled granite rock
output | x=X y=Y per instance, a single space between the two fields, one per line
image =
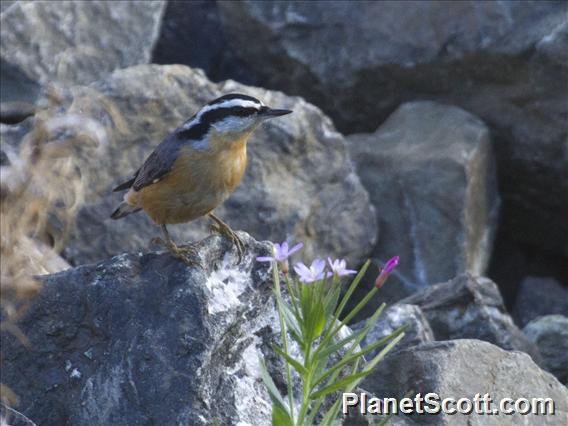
x=142 y=339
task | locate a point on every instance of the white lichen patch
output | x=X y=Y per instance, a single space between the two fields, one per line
x=249 y=390
x=226 y=285
x=75 y=374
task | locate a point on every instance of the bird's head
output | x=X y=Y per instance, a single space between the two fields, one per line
x=230 y=117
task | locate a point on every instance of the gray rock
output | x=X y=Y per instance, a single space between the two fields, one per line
x=396 y=316
x=462 y=369
x=192 y=34
x=502 y=61
x=74 y=42
x=300 y=182
x=470 y=307
x=429 y=170
x=550 y=334
x=538 y=296
x=142 y=339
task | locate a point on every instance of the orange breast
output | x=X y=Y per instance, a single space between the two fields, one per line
x=198 y=182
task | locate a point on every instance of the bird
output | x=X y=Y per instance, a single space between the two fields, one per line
x=195 y=168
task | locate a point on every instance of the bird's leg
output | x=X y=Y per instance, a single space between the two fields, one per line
x=222 y=228
x=188 y=254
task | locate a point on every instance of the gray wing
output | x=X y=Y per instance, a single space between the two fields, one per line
x=158 y=164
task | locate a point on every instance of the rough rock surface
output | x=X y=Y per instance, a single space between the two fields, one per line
x=72 y=42
x=429 y=170
x=503 y=61
x=396 y=316
x=143 y=339
x=538 y=296
x=550 y=334
x=464 y=368
x=469 y=307
x=300 y=182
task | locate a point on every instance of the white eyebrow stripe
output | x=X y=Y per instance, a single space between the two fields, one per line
x=228 y=104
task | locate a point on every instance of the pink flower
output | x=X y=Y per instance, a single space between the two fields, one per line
x=314 y=273
x=281 y=252
x=339 y=267
x=386 y=271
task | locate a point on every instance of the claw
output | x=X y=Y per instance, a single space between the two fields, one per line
x=188 y=254
x=222 y=228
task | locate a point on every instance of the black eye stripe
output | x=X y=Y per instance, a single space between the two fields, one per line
x=195 y=132
x=219 y=114
x=198 y=129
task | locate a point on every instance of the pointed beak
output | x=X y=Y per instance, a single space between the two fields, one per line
x=271 y=113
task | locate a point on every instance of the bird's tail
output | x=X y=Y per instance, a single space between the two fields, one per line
x=124 y=210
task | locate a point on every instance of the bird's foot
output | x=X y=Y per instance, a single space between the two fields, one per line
x=188 y=253
x=225 y=230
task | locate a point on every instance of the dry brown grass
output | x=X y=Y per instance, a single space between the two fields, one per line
x=41 y=192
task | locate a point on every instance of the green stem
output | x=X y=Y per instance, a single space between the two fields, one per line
x=284 y=334
x=293 y=297
x=346 y=320
x=306 y=384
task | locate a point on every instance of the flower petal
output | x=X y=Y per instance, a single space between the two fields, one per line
x=265 y=259
x=294 y=249
x=391 y=264
x=301 y=269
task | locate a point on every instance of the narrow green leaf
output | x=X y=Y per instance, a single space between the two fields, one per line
x=319 y=319
x=340 y=384
x=293 y=323
x=271 y=387
x=383 y=352
x=332 y=412
x=331 y=298
x=281 y=417
x=346 y=360
x=352 y=288
x=293 y=362
x=338 y=345
x=333 y=331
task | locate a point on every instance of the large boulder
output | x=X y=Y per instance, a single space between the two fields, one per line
x=503 y=61
x=72 y=42
x=469 y=307
x=429 y=170
x=461 y=369
x=300 y=182
x=539 y=296
x=550 y=334
x=142 y=339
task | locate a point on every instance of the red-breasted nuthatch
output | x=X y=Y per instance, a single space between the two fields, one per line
x=195 y=168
